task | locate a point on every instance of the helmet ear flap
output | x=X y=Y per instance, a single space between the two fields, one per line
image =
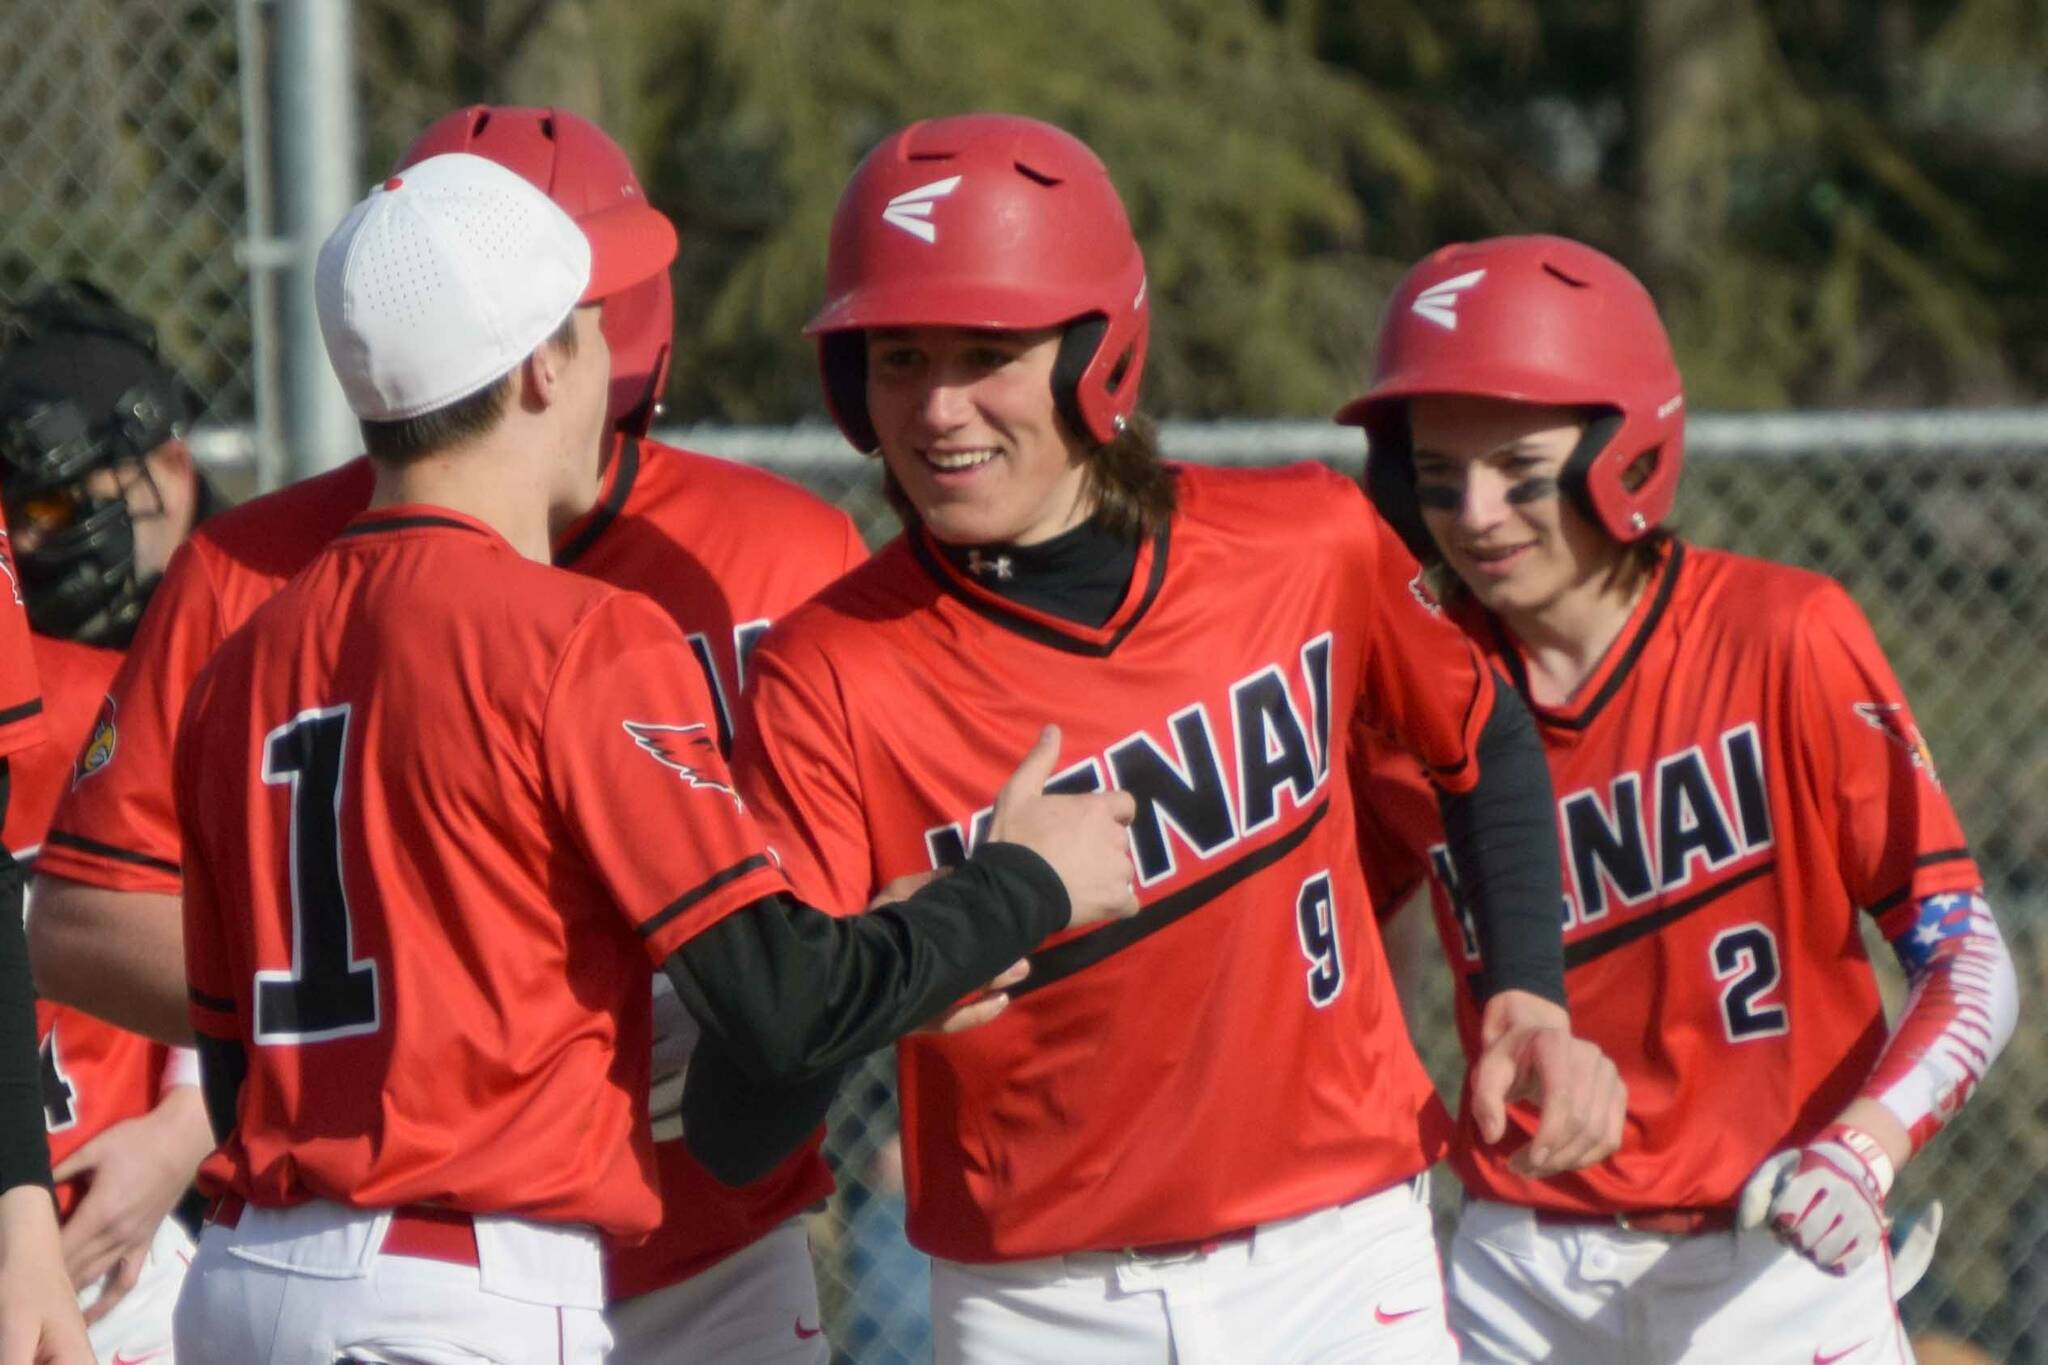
x=843 y=366
x=1078 y=346
x=1390 y=484
x=1573 y=478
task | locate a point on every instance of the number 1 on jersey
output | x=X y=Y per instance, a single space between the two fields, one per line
x=327 y=993
x=60 y=1110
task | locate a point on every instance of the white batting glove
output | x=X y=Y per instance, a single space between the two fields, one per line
x=1825 y=1200
x=675 y=1038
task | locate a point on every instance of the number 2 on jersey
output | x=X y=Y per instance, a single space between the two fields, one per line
x=327 y=993
x=1315 y=916
x=1746 y=957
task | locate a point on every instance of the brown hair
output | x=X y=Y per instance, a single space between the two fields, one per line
x=473 y=415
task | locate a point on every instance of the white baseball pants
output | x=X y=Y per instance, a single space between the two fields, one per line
x=1595 y=1294
x=310 y=1286
x=1359 y=1282
x=758 y=1306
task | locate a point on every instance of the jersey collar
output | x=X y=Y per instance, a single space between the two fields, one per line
x=416 y=518
x=1605 y=681
x=1148 y=575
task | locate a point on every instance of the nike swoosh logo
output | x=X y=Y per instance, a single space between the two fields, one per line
x=804 y=1333
x=120 y=1359
x=1819 y=1359
x=1386 y=1319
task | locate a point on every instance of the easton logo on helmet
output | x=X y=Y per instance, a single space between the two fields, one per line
x=912 y=209
x=1439 y=302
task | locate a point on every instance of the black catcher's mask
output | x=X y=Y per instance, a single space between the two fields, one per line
x=82 y=389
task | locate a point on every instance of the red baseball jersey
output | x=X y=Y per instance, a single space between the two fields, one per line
x=93 y=1074
x=74 y=680
x=21 y=701
x=1735 y=782
x=1235 y=1053
x=722 y=547
x=120 y=829
x=444 y=809
x=725 y=549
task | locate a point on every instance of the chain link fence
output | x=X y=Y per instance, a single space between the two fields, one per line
x=124 y=124
x=1943 y=548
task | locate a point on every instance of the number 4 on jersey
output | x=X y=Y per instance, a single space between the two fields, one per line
x=327 y=993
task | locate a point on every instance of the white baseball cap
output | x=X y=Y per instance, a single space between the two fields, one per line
x=444 y=279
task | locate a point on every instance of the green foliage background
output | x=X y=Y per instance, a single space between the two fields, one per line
x=1837 y=200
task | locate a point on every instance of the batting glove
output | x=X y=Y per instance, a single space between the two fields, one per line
x=1825 y=1200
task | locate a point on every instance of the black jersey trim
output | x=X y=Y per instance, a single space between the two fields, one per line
x=1451 y=774
x=1600 y=944
x=12 y=714
x=422 y=522
x=114 y=851
x=209 y=1002
x=1621 y=935
x=1939 y=855
x=698 y=892
x=1019 y=624
x=1063 y=960
x=1546 y=716
x=607 y=511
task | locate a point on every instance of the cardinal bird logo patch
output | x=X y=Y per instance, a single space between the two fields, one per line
x=99 y=748
x=689 y=749
x=1891 y=719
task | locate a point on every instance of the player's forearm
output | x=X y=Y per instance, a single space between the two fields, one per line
x=1961 y=1011
x=119 y=955
x=740 y=1130
x=1503 y=841
x=791 y=993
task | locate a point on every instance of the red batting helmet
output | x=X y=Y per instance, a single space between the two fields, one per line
x=575 y=164
x=1535 y=320
x=987 y=220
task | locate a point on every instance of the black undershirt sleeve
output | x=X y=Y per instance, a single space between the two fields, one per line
x=787 y=996
x=741 y=1129
x=24 y=1148
x=223 y=1066
x=1503 y=842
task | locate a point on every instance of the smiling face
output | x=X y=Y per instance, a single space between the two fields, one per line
x=969 y=430
x=1486 y=476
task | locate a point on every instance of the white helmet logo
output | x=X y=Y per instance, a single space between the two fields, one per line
x=1439 y=302
x=912 y=209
